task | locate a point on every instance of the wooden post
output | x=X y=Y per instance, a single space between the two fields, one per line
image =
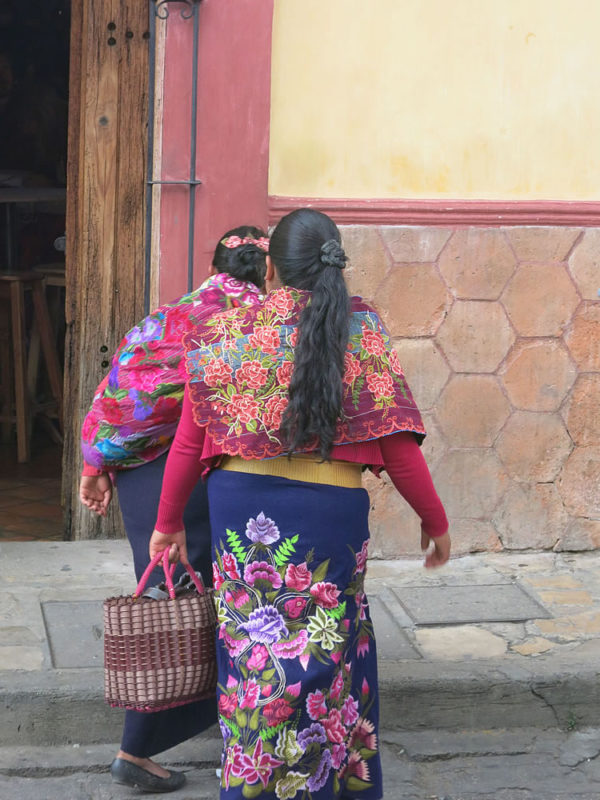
x=108 y=119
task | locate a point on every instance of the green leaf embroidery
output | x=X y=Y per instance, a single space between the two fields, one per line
x=320 y=572
x=235 y=545
x=269 y=733
x=337 y=613
x=285 y=550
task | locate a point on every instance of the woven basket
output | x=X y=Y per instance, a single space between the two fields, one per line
x=160 y=654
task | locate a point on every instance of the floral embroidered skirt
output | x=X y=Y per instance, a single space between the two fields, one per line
x=297 y=694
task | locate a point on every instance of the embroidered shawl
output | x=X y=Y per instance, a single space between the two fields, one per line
x=136 y=408
x=240 y=365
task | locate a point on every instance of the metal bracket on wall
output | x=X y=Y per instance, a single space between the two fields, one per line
x=160 y=10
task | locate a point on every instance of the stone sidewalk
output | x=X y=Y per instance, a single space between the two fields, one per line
x=491 y=641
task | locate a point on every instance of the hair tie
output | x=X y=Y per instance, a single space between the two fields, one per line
x=236 y=241
x=333 y=255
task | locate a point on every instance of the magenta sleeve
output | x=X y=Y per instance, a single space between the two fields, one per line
x=408 y=470
x=182 y=471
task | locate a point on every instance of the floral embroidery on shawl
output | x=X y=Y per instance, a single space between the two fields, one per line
x=272 y=611
x=240 y=365
x=136 y=408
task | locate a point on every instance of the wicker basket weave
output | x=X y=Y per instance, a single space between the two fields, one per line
x=160 y=654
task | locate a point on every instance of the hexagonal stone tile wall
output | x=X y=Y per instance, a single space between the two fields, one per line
x=498 y=331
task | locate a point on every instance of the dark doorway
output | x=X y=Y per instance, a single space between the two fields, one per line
x=34 y=98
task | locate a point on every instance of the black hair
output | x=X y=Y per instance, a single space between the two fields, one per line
x=246 y=262
x=307 y=253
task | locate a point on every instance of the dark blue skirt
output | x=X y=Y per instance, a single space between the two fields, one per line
x=297 y=695
x=145 y=734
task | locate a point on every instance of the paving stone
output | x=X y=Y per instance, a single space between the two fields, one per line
x=566 y=597
x=391 y=640
x=584 y=264
x=477 y=263
x=583 y=339
x=534 y=446
x=394 y=526
x=471 y=410
x=580 y=746
x=571 y=626
x=75 y=633
x=541 y=243
x=459 y=604
x=409 y=244
x=21 y=657
x=413 y=300
x=460 y=642
x=581 y=411
x=533 y=647
x=538 y=375
x=530 y=516
x=475 y=336
x=540 y=299
x=425 y=368
x=435 y=445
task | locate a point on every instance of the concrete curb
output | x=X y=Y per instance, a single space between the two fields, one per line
x=69 y=708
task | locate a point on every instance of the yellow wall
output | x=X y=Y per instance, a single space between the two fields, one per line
x=436 y=98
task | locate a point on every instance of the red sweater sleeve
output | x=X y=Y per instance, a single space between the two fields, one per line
x=410 y=474
x=182 y=470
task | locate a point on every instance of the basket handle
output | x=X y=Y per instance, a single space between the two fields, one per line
x=168 y=570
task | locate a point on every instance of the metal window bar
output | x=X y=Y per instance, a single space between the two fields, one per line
x=159 y=9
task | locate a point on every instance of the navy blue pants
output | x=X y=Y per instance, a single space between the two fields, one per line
x=145 y=734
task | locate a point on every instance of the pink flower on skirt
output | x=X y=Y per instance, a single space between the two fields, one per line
x=325 y=594
x=298 y=577
x=258 y=658
x=251 y=694
x=334 y=727
x=315 y=705
x=350 y=711
x=295 y=607
x=291 y=649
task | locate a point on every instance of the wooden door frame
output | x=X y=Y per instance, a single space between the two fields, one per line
x=106 y=178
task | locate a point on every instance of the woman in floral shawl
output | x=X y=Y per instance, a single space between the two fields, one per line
x=128 y=430
x=289 y=400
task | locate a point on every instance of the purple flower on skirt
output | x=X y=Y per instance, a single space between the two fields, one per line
x=265 y=625
x=134 y=335
x=262 y=529
x=261 y=570
x=319 y=779
x=314 y=733
x=113 y=377
x=225 y=732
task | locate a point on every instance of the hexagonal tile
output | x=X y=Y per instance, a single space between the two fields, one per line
x=434 y=445
x=474 y=536
x=413 y=300
x=540 y=299
x=471 y=410
x=533 y=446
x=582 y=411
x=394 y=526
x=583 y=339
x=368 y=259
x=410 y=244
x=537 y=376
x=584 y=264
x=470 y=482
x=538 y=243
x=530 y=517
x=579 y=482
x=425 y=369
x=582 y=534
x=477 y=263
x=475 y=336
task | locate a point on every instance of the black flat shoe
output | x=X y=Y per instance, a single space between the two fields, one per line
x=129 y=774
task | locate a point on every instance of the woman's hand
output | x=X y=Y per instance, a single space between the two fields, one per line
x=95 y=492
x=176 y=543
x=440 y=553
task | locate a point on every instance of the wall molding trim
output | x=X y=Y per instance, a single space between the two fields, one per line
x=443 y=212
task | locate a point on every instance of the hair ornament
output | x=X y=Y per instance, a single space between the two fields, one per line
x=236 y=241
x=333 y=255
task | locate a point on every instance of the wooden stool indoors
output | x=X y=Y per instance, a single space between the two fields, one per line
x=18 y=403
